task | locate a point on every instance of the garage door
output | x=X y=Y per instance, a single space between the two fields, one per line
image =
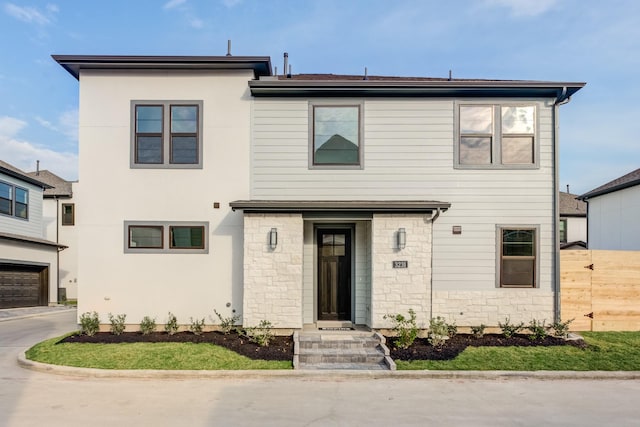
x=23 y=286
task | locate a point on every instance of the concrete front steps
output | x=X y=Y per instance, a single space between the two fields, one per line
x=360 y=350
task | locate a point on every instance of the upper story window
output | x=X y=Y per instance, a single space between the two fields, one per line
x=496 y=136
x=335 y=136
x=14 y=201
x=518 y=257
x=166 y=134
x=68 y=214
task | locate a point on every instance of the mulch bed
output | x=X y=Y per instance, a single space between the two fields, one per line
x=280 y=347
x=422 y=350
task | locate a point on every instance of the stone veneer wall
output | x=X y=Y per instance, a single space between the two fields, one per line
x=396 y=290
x=273 y=278
x=472 y=308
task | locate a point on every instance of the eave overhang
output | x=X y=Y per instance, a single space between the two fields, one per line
x=356 y=206
x=261 y=65
x=446 y=88
x=595 y=193
x=24 y=178
x=33 y=240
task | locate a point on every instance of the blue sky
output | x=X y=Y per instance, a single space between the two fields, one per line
x=594 y=41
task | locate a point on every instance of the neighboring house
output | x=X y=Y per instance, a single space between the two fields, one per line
x=613 y=212
x=58 y=215
x=208 y=183
x=573 y=222
x=28 y=261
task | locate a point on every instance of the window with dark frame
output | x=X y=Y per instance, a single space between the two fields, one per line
x=68 y=214
x=336 y=139
x=166 y=134
x=563 y=231
x=166 y=237
x=496 y=135
x=14 y=201
x=186 y=237
x=518 y=257
x=146 y=237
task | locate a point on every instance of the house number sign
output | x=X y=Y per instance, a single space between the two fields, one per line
x=400 y=264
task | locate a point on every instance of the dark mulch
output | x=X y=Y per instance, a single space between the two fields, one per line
x=279 y=348
x=422 y=350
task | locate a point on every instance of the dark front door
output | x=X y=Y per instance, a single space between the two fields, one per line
x=334 y=274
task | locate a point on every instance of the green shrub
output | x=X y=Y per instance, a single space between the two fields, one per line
x=405 y=328
x=509 y=329
x=561 y=329
x=196 y=326
x=538 y=330
x=438 y=331
x=171 y=327
x=261 y=334
x=89 y=323
x=227 y=324
x=117 y=323
x=452 y=329
x=148 y=325
x=478 y=331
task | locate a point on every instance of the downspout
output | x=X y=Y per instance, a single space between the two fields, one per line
x=433 y=218
x=58 y=252
x=561 y=99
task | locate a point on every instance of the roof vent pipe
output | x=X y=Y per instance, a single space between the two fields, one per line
x=289 y=74
x=449 y=75
x=366 y=77
x=228 y=47
x=568 y=189
x=286 y=63
x=37 y=167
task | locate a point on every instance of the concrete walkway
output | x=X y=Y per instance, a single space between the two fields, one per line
x=24 y=312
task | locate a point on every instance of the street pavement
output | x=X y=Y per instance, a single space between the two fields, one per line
x=31 y=398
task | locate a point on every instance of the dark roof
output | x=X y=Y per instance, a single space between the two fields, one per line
x=338 y=205
x=578 y=244
x=34 y=240
x=629 y=180
x=59 y=186
x=14 y=172
x=261 y=65
x=571 y=206
x=349 y=85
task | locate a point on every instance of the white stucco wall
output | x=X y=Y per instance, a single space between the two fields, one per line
x=614 y=220
x=137 y=284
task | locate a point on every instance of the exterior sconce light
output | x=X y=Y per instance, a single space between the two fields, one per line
x=402 y=238
x=273 y=238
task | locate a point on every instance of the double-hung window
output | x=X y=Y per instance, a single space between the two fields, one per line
x=14 y=201
x=335 y=136
x=496 y=136
x=166 y=134
x=518 y=257
x=166 y=237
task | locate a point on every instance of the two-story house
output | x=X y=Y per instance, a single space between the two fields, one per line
x=28 y=261
x=310 y=200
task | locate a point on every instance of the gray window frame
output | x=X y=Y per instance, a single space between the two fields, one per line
x=536 y=272
x=73 y=214
x=13 y=201
x=566 y=223
x=496 y=135
x=337 y=104
x=166 y=237
x=166 y=134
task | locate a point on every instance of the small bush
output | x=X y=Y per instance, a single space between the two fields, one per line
x=227 y=324
x=438 y=331
x=196 y=326
x=89 y=323
x=171 y=327
x=117 y=323
x=509 y=329
x=478 y=331
x=538 y=330
x=452 y=329
x=405 y=328
x=261 y=334
x=561 y=329
x=148 y=325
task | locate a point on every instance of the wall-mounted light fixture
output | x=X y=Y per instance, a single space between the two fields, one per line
x=402 y=238
x=273 y=238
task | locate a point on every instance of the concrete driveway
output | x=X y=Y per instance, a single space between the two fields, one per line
x=29 y=398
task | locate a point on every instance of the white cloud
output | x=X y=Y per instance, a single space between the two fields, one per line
x=27 y=14
x=173 y=3
x=66 y=124
x=23 y=154
x=53 y=8
x=526 y=8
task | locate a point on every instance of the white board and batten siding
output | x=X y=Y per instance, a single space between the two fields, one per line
x=409 y=155
x=613 y=220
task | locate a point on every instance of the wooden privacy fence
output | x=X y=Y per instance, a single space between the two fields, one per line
x=600 y=289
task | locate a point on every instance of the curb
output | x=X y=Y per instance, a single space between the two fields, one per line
x=326 y=375
x=43 y=313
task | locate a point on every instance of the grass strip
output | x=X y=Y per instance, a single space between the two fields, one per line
x=607 y=351
x=164 y=356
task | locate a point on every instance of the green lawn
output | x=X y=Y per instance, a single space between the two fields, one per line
x=146 y=356
x=608 y=351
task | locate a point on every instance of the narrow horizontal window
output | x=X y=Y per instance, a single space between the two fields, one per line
x=145 y=237
x=166 y=237
x=187 y=237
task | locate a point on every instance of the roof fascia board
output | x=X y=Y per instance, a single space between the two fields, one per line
x=24 y=178
x=336 y=206
x=592 y=194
